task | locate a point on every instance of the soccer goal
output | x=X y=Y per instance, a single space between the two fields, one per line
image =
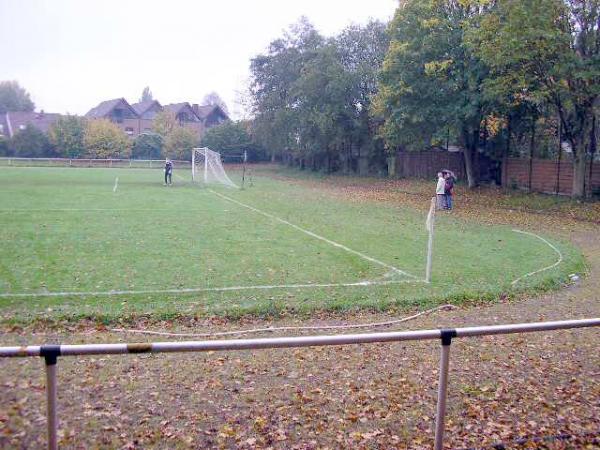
x=208 y=168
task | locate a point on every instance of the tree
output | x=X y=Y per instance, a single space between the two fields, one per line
x=148 y=146
x=229 y=138
x=146 y=95
x=164 y=123
x=179 y=143
x=67 y=136
x=431 y=80
x=275 y=100
x=14 y=98
x=548 y=51
x=104 y=139
x=212 y=98
x=31 y=143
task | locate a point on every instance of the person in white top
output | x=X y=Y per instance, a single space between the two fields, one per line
x=440 y=191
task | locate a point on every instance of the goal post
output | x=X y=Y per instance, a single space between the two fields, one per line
x=208 y=168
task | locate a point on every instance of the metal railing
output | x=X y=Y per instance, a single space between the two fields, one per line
x=51 y=353
x=90 y=162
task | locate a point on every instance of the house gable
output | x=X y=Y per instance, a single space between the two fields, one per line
x=148 y=109
x=211 y=115
x=183 y=112
x=116 y=110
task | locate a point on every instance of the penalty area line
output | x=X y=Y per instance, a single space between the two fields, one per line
x=560 y=256
x=316 y=236
x=200 y=290
x=116 y=184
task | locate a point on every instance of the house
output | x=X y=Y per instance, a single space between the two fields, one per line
x=210 y=115
x=186 y=116
x=135 y=119
x=12 y=122
x=119 y=112
x=146 y=111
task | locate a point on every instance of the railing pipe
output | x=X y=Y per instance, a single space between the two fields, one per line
x=52 y=352
x=303 y=341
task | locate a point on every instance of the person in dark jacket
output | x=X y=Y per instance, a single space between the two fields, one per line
x=168 y=172
x=448 y=188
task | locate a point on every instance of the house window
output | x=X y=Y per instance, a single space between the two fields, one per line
x=118 y=115
x=129 y=131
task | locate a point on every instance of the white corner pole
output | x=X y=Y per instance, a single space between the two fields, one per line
x=430 y=228
x=442 y=389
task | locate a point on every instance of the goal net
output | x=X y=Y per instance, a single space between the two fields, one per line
x=208 y=168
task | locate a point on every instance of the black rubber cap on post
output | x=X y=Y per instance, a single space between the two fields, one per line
x=50 y=353
x=447 y=334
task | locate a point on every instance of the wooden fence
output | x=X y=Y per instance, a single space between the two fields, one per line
x=547 y=176
x=426 y=164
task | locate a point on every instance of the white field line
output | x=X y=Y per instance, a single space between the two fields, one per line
x=560 y=256
x=316 y=236
x=387 y=323
x=98 y=210
x=116 y=184
x=199 y=290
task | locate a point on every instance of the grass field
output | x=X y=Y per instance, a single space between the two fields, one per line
x=79 y=243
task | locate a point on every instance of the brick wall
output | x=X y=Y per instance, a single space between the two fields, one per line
x=545 y=175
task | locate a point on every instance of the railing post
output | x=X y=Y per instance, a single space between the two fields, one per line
x=446 y=336
x=50 y=353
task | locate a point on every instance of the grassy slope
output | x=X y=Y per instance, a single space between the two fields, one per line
x=160 y=238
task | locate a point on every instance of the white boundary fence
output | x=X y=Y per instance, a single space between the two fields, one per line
x=50 y=353
x=82 y=162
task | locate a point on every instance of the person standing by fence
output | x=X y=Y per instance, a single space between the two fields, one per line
x=448 y=187
x=440 y=191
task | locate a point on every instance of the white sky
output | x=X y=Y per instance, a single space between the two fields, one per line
x=72 y=54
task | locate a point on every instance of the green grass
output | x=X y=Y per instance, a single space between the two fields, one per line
x=65 y=230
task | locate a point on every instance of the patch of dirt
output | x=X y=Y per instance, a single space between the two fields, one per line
x=502 y=388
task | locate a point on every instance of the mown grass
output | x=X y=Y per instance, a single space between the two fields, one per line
x=66 y=230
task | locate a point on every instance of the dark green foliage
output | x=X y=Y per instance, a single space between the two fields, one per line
x=546 y=53
x=431 y=80
x=231 y=139
x=312 y=95
x=148 y=146
x=14 y=98
x=4 y=147
x=31 y=143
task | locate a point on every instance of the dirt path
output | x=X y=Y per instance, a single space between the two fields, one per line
x=372 y=396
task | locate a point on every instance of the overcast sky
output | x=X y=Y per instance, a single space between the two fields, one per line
x=72 y=54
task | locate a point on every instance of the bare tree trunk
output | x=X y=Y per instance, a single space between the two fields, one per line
x=468 y=154
x=579 y=166
x=391 y=166
x=470 y=147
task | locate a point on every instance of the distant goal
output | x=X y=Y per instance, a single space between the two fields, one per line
x=207 y=168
